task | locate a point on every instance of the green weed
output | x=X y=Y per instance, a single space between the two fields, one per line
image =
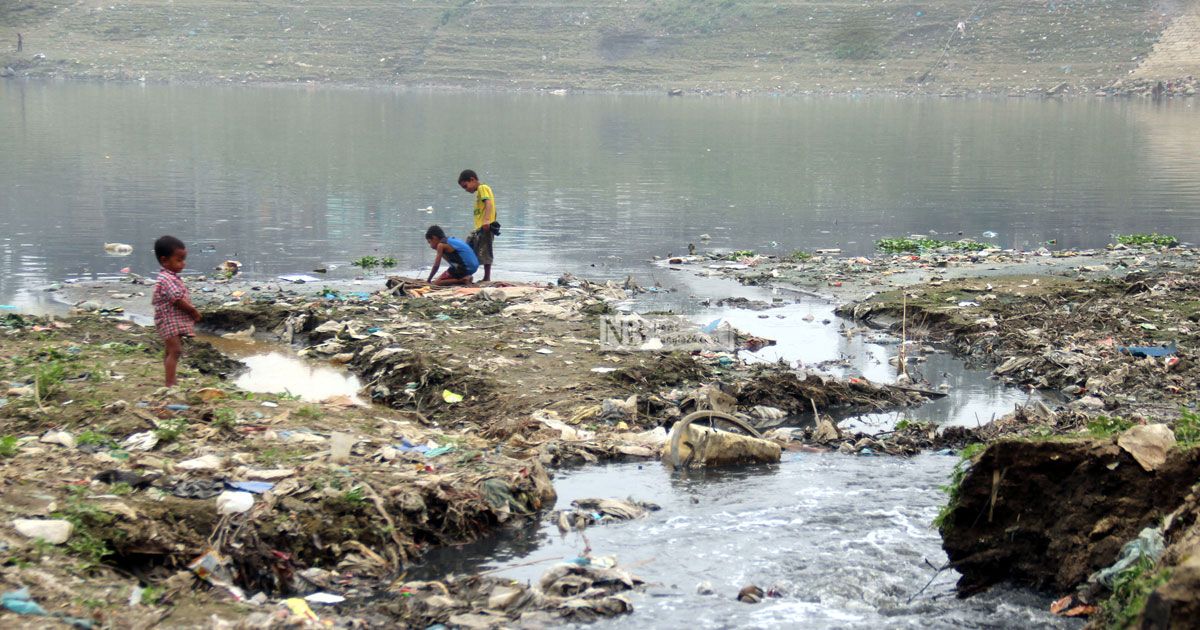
x=151 y=595
x=8 y=446
x=1187 y=429
x=120 y=488
x=741 y=253
x=170 y=430
x=799 y=256
x=48 y=379
x=309 y=412
x=86 y=518
x=966 y=459
x=99 y=438
x=1104 y=426
x=1147 y=240
x=1131 y=588
x=355 y=495
x=917 y=245
x=225 y=419
x=287 y=395
x=366 y=262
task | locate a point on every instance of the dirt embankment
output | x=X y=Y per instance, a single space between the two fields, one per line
x=943 y=47
x=1050 y=513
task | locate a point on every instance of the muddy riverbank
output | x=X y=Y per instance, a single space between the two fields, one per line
x=211 y=499
x=476 y=395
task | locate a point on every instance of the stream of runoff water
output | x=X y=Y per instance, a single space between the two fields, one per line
x=846 y=539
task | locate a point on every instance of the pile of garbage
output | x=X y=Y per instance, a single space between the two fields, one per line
x=1119 y=346
x=579 y=591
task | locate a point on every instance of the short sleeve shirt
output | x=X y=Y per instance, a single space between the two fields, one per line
x=169 y=319
x=483 y=193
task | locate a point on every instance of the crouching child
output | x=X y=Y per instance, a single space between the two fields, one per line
x=458 y=255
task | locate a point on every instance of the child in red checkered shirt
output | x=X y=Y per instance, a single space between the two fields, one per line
x=174 y=315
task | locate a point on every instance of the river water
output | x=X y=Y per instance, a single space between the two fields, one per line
x=286 y=180
x=846 y=539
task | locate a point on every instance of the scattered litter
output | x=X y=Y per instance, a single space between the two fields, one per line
x=234 y=502
x=451 y=397
x=300 y=608
x=22 y=603
x=144 y=441
x=1148 y=444
x=132 y=479
x=62 y=438
x=206 y=462
x=253 y=487
x=1150 y=351
x=324 y=598
x=298 y=278
x=55 y=532
x=588 y=512
x=340 y=445
x=118 y=249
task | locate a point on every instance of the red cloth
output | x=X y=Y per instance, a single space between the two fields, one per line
x=169 y=319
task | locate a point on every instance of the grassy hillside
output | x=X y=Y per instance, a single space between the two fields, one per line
x=725 y=45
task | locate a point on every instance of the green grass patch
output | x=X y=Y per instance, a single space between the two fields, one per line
x=225 y=419
x=799 y=256
x=966 y=457
x=1187 y=429
x=857 y=39
x=85 y=542
x=48 y=379
x=8 y=446
x=918 y=245
x=1105 y=426
x=1147 y=240
x=309 y=412
x=170 y=430
x=1131 y=589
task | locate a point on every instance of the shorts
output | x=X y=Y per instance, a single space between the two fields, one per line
x=458 y=271
x=481 y=242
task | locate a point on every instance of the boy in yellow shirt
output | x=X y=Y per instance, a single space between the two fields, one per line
x=485 y=215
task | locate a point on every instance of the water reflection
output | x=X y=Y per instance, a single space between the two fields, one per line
x=284 y=179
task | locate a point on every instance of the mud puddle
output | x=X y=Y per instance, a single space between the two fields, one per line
x=274 y=370
x=846 y=540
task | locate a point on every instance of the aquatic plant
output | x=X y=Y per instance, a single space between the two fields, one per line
x=799 y=256
x=366 y=262
x=917 y=245
x=1145 y=240
x=741 y=253
x=387 y=261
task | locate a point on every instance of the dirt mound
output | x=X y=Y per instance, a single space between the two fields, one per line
x=1049 y=513
x=796 y=392
x=264 y=317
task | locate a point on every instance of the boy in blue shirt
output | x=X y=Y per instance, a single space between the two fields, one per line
x=458 y=254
